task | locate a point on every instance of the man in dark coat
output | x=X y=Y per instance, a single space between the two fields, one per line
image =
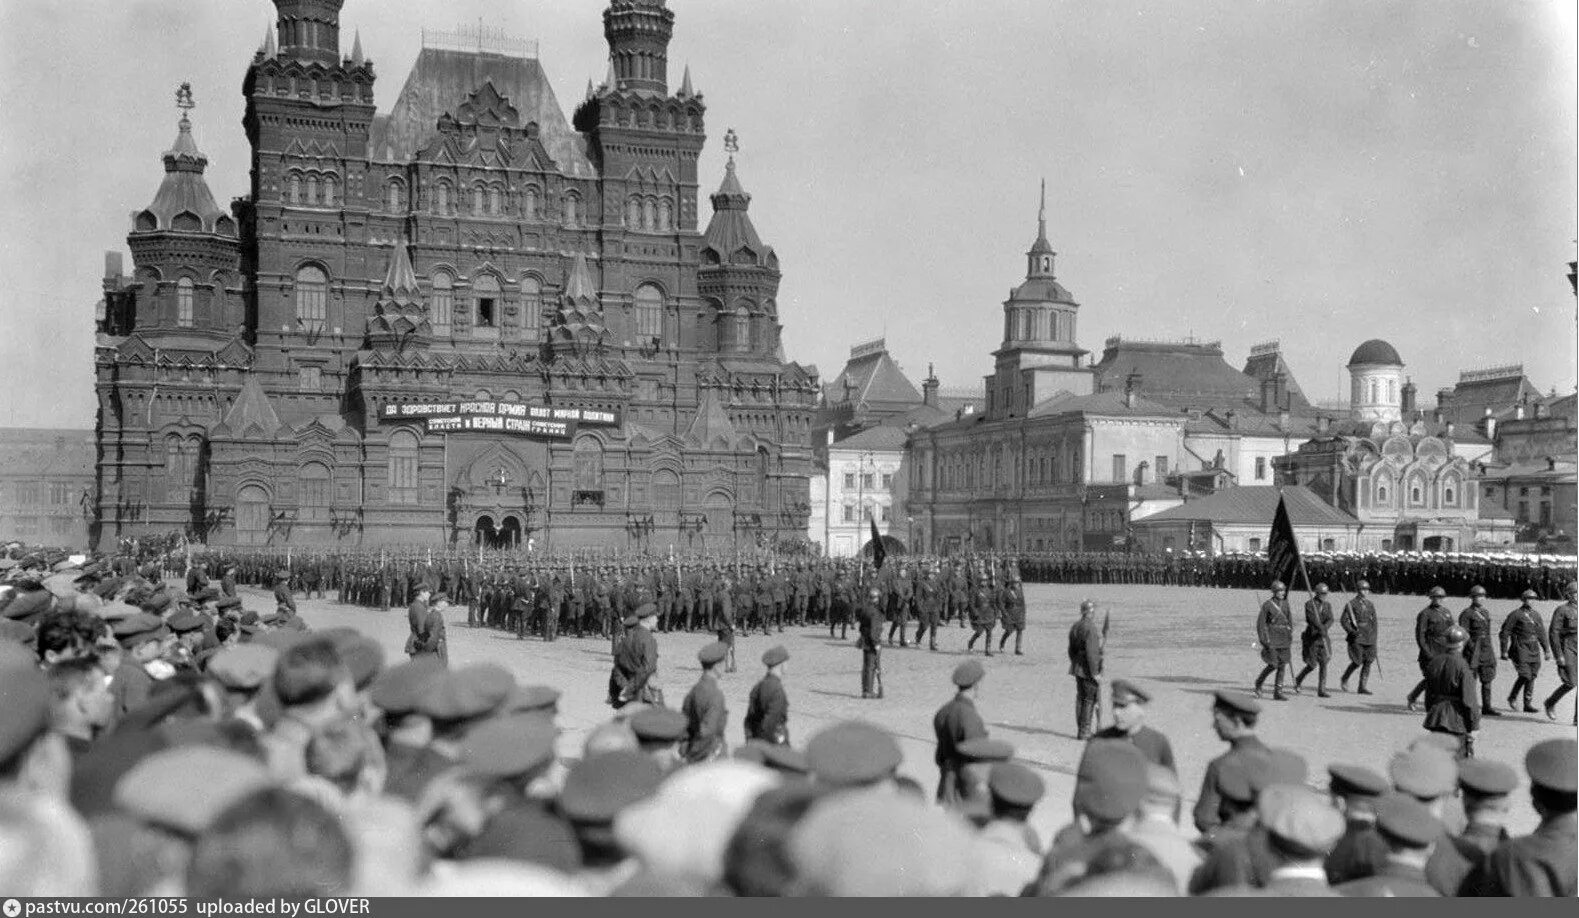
x=431 y=638
x=1234 y=718
x=1129 y=724
x=1411 y=832
x=983 y=615
x=1011 y=600
x=1431 y=627
x=1315 y=644
x=1275 y=632
x=636 y=661
x=705 y=712
x=1451 y=706
x=1359 y=630
x=1361 y=851
x=954 y=723
x=1544 y=862
x=869 y=630
x=416 y=620
x=1481 y=651
x=1524 y=641
x=1085 y=664
x=767 y=709
x=282 y=591
x=1563 y=636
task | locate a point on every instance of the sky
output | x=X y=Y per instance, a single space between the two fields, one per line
x=1319 y=173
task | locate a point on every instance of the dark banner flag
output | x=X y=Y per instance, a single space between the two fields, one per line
x=879 y=553
x=1282 y=549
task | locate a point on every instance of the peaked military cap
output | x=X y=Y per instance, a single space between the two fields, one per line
x=658 y=725
x=1426 y=772
x=1296 y=815
x=1356 y=781
x=1125 y=691
x=243 y=666
x=136 y=629
x=467 y=692
x=400 y=689
x=775 y=655
x=508 y=747
x=852 y=752
x=1111 y=781
x=186 y=787
x=968 y=673
x=713 y=653
x=1550 y=764
x=1404 y=819
x=599 y=787
x=532 y=699
x=1236 y=701
x=184 y=621
x=1486 y=777
x=360 y=653
x=1015 y=785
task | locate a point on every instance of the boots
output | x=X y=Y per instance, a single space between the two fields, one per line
x=1529 y=698
x=1487 y=709
x=1321 y=682
x=1365 y=678
x=1018 y=635
x=1277 y=686
x=1300 y=679
x=1343 y=680
x=1513 y=696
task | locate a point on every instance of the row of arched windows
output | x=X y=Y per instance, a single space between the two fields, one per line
x=312 y=189
x=1028 y=324
x=649 y=214
x=483 y=199
x=1417 y=490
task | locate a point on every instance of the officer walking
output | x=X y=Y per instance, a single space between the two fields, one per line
x=1564 y=629
x=1315 y=645
x=1085 y=664
x=1275 y=631
x=767 y=710
x=1359 y=629
x=1524 y=642
x=1481 y=651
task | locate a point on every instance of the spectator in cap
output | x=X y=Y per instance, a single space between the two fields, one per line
x=1239 y=852
x=610 y=736
x=596 y=791
x=1563 y=636
x=81 y=704
x=757 y=861
x=1451 y=706
x=1011 y=849
x=1157 y=825
x=683 y=831
x=767 y=709
x=1129 y=723
x=1234 y=718
x=1542 y=863
x=1525 y=642
x=33 y=757
x=1109 y=788
x=659 y=732
x=1431 y=626
x=1411 y=832
x=853 y=753
x=977 y=756
x=706 y=714
x=954 y=723
x=417 y=619
x=1481 y=651
x=243 y=670
x=314 y=689
x=875 y=843
x=142 y=639
x=1354 y=790
x=410 y=760
x=1301 y=829
x=1486 y=788
x=1430 y=775
x=271 y=843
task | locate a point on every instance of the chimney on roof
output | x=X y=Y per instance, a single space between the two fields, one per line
x=1268 y=395
x=1409 y=393
x=1518 y=411
x=1282 y=417
x=929 y=389
x=1131 y=389
x=112 y=265
x=1232 y=416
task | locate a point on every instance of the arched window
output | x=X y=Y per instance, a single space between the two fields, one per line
x=494 y=197
x=312 y=189
x=313 y=481
x=649 y=215
x=764 y=463
x=1028 y=331
x=294 y=186
x=529 y=203
x=183 y=303
x=633 y=213
x=649 y=312
x=572 y=208
x=1382 y=485
x=742 y=329
x=1375 y=392
x=402 y=467
x=587 y=465
x=312 y=295
x=441 y=198
x=665 y=490
x=1450 y=493
x=531 y=306
x=330 y=191
x=252 y=513
x=485 y=288
x=665 y=215
x=396 y=195
x=1392 y=390
x=442 y=303
x=477 y=200
x=1416 y=491
x=177 y=477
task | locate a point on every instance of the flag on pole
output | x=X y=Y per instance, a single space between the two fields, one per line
x=1282 y=549
x=879 y=554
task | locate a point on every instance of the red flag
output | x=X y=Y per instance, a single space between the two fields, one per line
x=1282 y=549
x=878 y=552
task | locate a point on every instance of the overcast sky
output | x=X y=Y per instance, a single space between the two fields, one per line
x=1315 y=172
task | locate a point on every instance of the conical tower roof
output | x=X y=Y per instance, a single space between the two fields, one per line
x=731 y=229
x=184 y=191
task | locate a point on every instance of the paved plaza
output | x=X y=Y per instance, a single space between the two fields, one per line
x=1183 y=643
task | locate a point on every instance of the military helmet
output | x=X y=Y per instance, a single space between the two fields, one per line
x=1437 y=592
x=1363 y=585
x=1278 y=585
x=1477 y=590
x=1529 y=594
x=1457 y=635
x=1321 y=588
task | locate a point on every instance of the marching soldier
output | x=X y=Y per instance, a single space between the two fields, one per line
x=1085 y=664
x=1012 y=601
x=705 y=712
x=1359 y=629
x=724 y=620
x=767 y=709
x=1524 y=641
x=982 y=617
x=1481 y=650
x=1275 y=631
x=282 y=591
x=1315 y=645
x=1561 y=636
x=929 y=605
x=1431 y=627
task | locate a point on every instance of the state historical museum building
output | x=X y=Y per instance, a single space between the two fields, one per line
x=467 y=320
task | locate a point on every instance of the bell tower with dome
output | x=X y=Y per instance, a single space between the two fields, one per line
x=1376 y=380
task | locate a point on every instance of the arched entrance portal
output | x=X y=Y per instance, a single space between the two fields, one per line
x=492 y=535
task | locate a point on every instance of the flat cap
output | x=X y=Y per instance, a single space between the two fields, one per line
x=1550 y=764
x=600 y=786
x=227 y=602
x=360 y=653
x=1297 y=816
x=1356 y=781
x=1015 y=785
x=852 y=752
x=1425 y=772
x=1111 y=781
x=785 y=758
x=1236 y=701
x=25 y=702
x=646 y=610
x=243 y=666
x=532 y=699
x=508 y=747
x=1404 y=819
x=1125 y=692
x=184 y=621
x=985 y=749
x=713 y=653
x=184 y=788
x=400 y=688
x=1487 y=777
x=1437 y=592
x=134 y=630
x=466 y=692
x=658 y=725
x=968 y=673
x=775 y=655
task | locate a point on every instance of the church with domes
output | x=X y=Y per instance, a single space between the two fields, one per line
x=464 y=320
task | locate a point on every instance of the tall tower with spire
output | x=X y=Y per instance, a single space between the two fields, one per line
x=638 y=33
x=739 y=275
x=1038 y=357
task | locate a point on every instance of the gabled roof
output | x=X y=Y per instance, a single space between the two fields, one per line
x=875 y=379
x=1177 y=374
x=711 y=422
x=252 y=407
x=1255 y=504
x=881 y=437
x=1264 y=365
